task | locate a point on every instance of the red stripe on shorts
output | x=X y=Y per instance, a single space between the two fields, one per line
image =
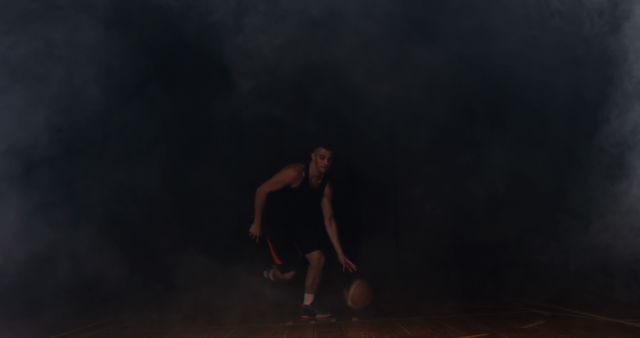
x=276 y=259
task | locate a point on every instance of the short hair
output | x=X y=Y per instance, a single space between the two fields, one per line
x=325 y=145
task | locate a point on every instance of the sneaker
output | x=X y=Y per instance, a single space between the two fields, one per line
x=308 y=312
x=268 y=274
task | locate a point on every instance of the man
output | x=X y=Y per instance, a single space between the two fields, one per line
x=298 y=205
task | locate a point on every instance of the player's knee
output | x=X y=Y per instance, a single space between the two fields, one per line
x=316 y=259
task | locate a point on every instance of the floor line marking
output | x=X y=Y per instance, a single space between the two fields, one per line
x=590 y=315
x=404 y=329
x=86 y=327
x=534 y=324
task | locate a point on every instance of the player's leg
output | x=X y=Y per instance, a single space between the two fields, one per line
x=284 y=255
x=275 y=275
x=314 y=273
x=312 y=240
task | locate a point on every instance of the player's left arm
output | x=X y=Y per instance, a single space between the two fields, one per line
x=332 y=229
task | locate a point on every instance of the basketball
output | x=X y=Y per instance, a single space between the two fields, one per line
x=358 y=295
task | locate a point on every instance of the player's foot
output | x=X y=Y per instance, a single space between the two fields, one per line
x=268 y=274
x=308 y=312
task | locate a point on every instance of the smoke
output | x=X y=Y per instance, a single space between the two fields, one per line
x=51 y=250
x=470 y=136
x=620 y=135
x=615 y=234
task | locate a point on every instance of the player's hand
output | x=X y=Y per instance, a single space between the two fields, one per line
x=347 y=264
x=255 y=231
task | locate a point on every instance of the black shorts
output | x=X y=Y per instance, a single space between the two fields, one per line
x=288 y=244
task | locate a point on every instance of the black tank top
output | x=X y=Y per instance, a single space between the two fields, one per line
x=292 y=206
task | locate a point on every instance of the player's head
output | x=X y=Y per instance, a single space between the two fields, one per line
x=321 y=157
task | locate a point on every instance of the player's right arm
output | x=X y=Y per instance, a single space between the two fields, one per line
x=288 y=176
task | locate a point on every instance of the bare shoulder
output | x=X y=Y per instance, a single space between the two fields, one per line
x=295 y=168
x=293 y=171
x=328 y=191
x=290 y=175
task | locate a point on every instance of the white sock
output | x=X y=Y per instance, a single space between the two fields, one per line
x=308 y=299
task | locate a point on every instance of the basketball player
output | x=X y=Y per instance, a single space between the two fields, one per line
x=296 y=217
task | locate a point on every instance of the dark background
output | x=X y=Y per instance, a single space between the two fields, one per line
x=483 y=148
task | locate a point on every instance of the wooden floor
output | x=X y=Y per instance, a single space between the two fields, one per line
x=517 y=322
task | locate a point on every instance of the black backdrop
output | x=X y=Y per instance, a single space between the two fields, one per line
x=481 y=146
